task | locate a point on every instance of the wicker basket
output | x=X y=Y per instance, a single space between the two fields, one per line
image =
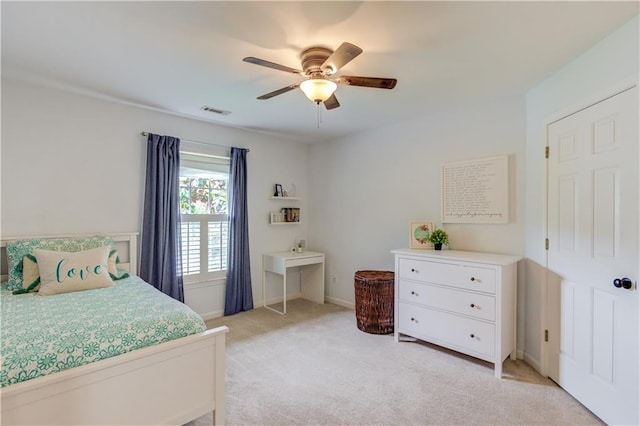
x=374 y=301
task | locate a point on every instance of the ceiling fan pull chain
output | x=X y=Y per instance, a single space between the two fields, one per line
x=318 y=115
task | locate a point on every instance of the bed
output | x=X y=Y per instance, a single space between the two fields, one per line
x=155 y=363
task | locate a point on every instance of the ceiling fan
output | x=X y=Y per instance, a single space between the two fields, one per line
x=319 y=64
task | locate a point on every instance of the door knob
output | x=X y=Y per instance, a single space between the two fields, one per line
x=625 y=283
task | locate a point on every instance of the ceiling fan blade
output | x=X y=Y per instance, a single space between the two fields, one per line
x=340 y=57
x=279 y=91
x=375 y=82
x=273 y=65
x=332 y=102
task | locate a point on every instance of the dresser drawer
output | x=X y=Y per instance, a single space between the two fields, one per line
x=455 y=332
x=455 y=275
x=476 y=305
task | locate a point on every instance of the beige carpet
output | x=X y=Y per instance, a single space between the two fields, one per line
x=313 y=366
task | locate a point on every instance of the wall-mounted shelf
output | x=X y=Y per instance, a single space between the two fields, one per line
x=285 y=216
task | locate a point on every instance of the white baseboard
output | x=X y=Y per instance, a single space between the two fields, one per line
x=340 y=302
x=532 y=362
x=212 y=315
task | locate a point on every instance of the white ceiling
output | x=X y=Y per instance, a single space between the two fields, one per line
x=180 y=56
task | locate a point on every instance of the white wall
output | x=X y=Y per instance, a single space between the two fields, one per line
x=588 y=78
x=367 y=188
x=74 y=164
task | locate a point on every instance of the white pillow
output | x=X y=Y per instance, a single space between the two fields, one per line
x=63 y=272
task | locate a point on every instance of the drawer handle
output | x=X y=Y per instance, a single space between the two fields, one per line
x=473 y=305
x=473 y=279
x=413 y=319
x=414 y=270
x=473 y=336
x=414 y=293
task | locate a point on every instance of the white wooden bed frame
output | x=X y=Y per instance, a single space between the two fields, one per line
x=170 y=383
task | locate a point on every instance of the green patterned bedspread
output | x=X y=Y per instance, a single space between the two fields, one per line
x=40 y=335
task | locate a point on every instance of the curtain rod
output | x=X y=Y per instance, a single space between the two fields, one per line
x=197 y=142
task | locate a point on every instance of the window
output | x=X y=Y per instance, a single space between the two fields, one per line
x=203 y=209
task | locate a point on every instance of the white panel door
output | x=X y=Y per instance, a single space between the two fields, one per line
x=593 y=240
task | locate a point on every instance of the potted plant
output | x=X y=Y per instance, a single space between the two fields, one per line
x=438 y=237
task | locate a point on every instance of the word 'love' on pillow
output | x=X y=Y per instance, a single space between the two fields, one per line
x=64 y=272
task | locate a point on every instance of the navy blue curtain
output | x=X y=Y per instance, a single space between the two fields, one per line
x=161 y=256
x=238 y=296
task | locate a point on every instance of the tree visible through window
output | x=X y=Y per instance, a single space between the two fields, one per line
x=203 y=208
x=203 y=195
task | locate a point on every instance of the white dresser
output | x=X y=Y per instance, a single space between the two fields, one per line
x=465 y=301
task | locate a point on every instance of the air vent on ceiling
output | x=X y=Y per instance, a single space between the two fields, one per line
x=216 y=110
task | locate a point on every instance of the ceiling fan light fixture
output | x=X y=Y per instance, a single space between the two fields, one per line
x=318 y=89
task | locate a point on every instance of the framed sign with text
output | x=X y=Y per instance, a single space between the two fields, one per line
x=476 y=191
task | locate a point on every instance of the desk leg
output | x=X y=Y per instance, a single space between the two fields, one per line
x=264 y=286
x=312 y=277
x=284 y=292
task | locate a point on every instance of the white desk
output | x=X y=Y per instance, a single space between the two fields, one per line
x=311 y=274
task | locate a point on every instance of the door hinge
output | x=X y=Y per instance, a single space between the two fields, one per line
x=546 y=152
x=546 y=335
x=546 y=244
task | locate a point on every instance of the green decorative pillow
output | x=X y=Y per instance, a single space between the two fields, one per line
x=31 y=274
x=64 y=272
x=17 y=250
x=116 y=274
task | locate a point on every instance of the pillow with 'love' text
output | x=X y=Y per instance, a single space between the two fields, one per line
x=31 y=274
x=18 y=249
x=64 y=272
